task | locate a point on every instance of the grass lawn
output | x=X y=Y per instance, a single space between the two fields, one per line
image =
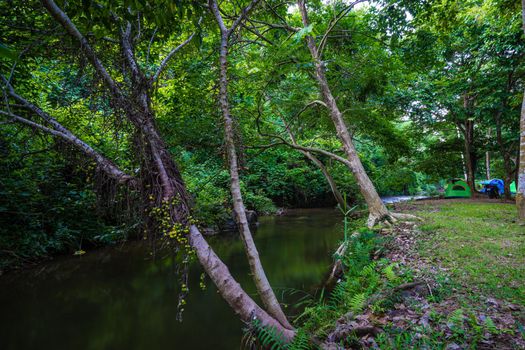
x=479 y=243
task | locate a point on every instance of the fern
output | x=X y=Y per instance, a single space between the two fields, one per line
x=455 y=323
x=338 y=295
x=456 y=317
x=268 y=337
x=490 y=326
x=390 y=274
x=300 y=342
x=357 y=302
x=369 y=270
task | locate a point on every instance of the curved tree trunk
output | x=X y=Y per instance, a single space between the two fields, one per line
x=377 y=209
x=331 y=182
x=259 y=276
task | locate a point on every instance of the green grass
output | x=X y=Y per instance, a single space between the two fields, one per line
x=480 y=243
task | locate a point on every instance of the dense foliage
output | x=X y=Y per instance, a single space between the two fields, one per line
x=411 y=78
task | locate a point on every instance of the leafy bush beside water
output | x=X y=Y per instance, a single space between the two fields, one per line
x=45 y=210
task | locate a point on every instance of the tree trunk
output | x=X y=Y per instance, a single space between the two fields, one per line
x=331 y=182
x=230 y=290
x=520 y=185
x=470 y=158
x=487 y=158
x=507 y=162
x=467 y=127
x=487 y=165
x=259 y=276
x=377 y=209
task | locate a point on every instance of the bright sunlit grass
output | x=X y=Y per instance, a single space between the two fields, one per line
x=481 y=244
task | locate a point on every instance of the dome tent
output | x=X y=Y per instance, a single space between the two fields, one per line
x=457 y=188
x=498 y=183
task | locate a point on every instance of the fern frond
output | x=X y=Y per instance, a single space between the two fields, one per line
x=369 y=270
x=389 y=273
x=357 y=302
x=338 y=295
x=269 y=337
x=300 y=342
x=490 y=326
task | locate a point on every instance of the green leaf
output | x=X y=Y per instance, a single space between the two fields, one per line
x=6 y=52
x=302 y=33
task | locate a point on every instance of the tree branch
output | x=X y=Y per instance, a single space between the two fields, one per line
x=58 y=130
x=294 y=145
x=254 y=31
x=333 y=23
x=242 y=16
x=127 y=50
x=64 y=20
x=166 y=59
x=218 y=17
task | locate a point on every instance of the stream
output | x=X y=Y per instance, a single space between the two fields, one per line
x=121 y=298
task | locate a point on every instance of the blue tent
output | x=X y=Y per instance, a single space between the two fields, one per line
x=494 y=182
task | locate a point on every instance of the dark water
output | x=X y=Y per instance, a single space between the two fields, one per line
x=120 y=298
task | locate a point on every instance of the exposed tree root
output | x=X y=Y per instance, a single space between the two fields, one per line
x=389 y=219
x=403 y=216
x=336 y=271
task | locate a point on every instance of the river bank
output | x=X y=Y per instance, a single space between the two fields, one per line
x=453 y=281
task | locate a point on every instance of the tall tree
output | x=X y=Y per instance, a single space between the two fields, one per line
x=261 y=281
x=377 y=209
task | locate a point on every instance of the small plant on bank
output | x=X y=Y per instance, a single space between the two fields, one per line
x=346 y=211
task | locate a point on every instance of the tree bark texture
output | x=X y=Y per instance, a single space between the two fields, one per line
x=470 y=158
x=507 y=161
x=229 y=288
x=520 y=185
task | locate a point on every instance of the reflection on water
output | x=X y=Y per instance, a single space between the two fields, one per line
x=119 y=298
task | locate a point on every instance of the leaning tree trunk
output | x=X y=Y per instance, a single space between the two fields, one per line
x=229 y=288
x=377 y=209
x=259 y=276
x=174 y=191
x=331 y=182
x=520 y=185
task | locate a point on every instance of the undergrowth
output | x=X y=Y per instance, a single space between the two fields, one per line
x=363 y=277
x=373 y=286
